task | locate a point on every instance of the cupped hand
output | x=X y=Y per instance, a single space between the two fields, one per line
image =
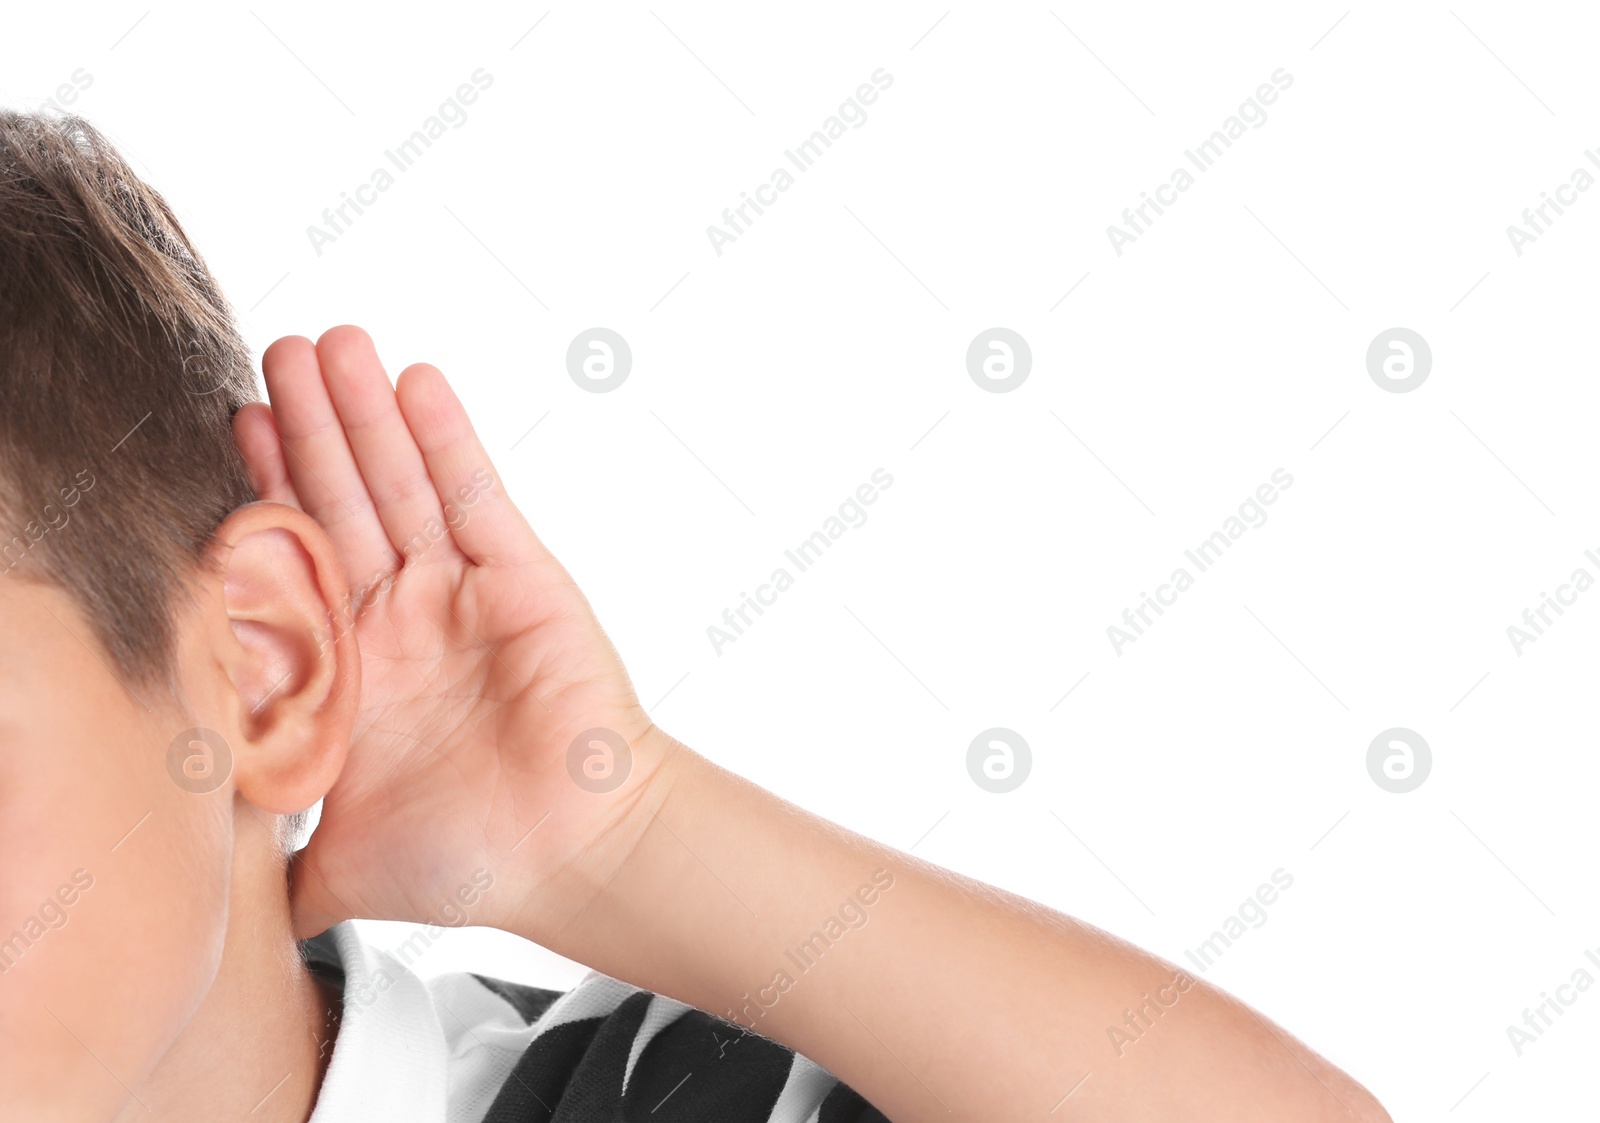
x=481 y=661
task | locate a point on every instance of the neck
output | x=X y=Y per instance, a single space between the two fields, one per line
x=256 y=1048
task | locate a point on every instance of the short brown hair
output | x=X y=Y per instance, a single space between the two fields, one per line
x=120 y=371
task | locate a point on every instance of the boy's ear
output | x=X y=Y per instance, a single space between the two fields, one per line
x=293 y=665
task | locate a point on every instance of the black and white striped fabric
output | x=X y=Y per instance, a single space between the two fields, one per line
x=464 y=1048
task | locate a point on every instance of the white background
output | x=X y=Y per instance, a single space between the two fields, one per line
x=828 y=341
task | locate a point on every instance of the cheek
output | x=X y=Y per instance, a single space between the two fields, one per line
x=106 y=972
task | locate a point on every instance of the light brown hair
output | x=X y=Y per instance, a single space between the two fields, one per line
x=120 y=371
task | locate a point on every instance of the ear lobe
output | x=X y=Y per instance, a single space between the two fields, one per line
x=294 y=685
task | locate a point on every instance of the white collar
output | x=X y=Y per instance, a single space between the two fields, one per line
x=389 y=1057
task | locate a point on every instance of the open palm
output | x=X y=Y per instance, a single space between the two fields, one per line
x=481 y=661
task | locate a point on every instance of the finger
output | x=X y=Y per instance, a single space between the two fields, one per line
x=320 y=462
x=262 y=449
x=485 y=523
x=386 y=453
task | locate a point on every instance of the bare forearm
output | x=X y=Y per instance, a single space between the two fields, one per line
x=934 y=996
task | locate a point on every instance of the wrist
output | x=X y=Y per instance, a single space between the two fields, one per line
x=559 y=907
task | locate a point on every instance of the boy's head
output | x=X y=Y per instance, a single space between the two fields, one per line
x=164 y=698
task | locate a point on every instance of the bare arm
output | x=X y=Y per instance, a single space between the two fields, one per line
x=934 y=996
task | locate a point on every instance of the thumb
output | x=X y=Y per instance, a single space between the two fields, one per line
x=314 y=907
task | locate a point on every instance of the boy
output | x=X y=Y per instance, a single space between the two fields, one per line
x=212 y=628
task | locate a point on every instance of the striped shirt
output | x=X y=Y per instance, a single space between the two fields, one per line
x=463 y=1048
